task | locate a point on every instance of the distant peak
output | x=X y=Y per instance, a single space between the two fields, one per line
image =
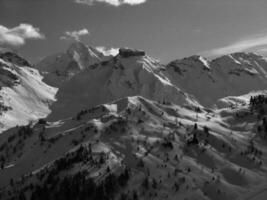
x=246 y=55
x=195 y=60
x=240 y=55
x=82 y=49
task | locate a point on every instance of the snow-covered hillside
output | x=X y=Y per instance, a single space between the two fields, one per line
x=128 y=74
x=230 y=75
x=23 y=95
x=60 y=67
x=137 y=147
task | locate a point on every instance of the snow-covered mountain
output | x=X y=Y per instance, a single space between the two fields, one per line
x=23 y=95
x=127 y=127
x=128 y=74
x=210 y=80
x=62 y=66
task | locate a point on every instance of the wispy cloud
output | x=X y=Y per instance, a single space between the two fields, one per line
x=244 y=44
x=74 y=35
x=18 y=35
x=111 y=2
x=108 y=51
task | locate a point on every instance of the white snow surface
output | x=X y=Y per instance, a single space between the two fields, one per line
x=28 y=100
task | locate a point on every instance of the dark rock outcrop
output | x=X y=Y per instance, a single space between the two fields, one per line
x=125 y=52
x=14 y=58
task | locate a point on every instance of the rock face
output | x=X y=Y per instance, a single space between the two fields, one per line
x=125 y=52
x=7 y=78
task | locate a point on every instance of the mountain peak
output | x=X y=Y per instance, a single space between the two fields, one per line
x=239 y=57
x=198 y=59
x=246 y=54
x=194 y=61
x=83 y=50
x=77 y=46
x=62 y=66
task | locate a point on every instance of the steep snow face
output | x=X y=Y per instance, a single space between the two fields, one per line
x=62 y=66
x=229 y=75
x=23 y=95
x=117 y=78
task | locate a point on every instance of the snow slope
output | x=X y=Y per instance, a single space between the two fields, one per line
x=229 y=75
x=154 y=140
x=23 y=95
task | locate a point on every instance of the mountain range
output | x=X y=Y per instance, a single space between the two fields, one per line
x=82 y=125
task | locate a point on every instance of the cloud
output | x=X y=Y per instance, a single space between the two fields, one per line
x=18 y=35
x=108 y=51
x=249 y=43
x=74 y=35
x=111 y=2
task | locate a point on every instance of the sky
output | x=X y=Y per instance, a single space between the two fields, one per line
x=165 y=29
